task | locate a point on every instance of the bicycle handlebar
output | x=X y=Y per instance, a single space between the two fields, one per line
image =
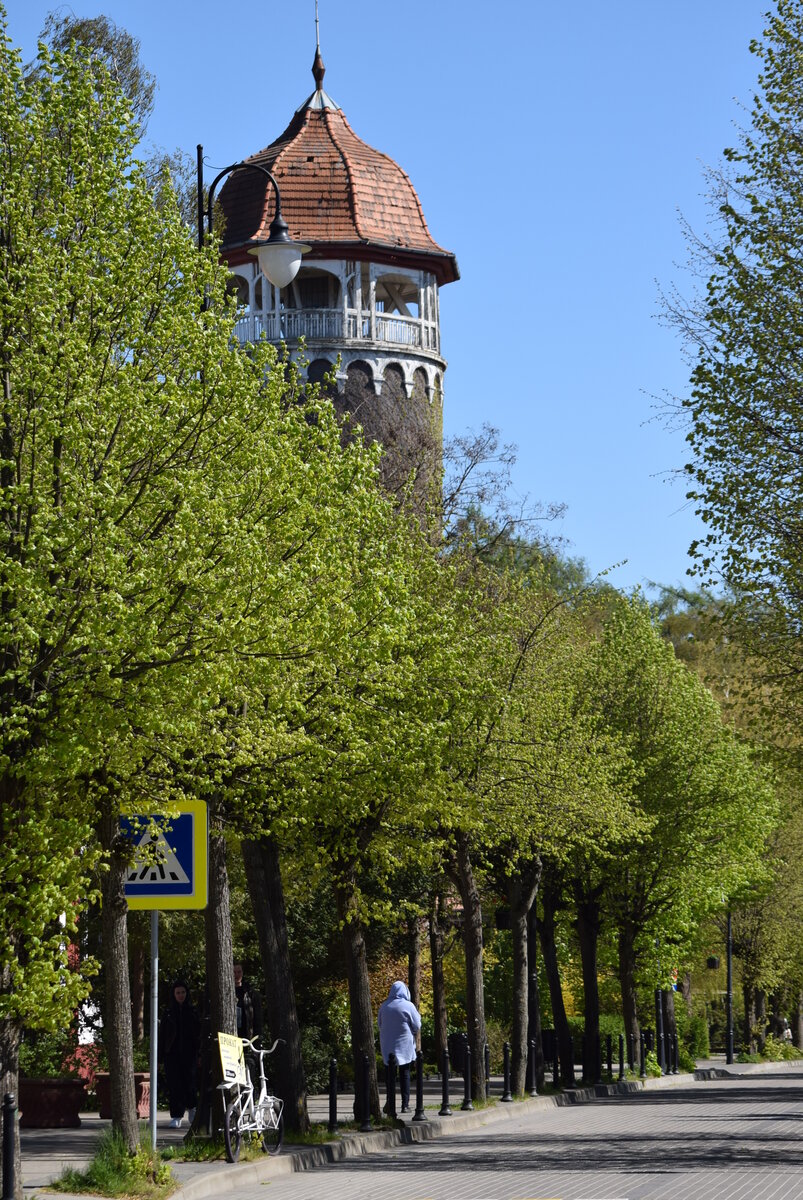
x=255 y=1038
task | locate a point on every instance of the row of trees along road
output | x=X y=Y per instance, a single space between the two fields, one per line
x=205 y=593
x=745 y=434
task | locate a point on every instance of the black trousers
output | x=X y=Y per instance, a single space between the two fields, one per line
x=404 y=1084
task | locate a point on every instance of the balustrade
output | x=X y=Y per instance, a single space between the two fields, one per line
x=325 y=324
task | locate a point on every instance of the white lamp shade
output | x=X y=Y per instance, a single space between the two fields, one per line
x=279 y=261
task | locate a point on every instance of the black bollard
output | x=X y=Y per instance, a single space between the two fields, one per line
x=466 y=1106
x=555 y=1060
x=419 y=1114
x=507 y=1095
x=631 y=1051
x=621 y=1057
x=390 y=1087
x=533 y=1080
x=365 y=1127
x=609 y=1054
x=643 y=1051
x=332 y=1126
x=675 y=1055
x=660 y=1046
x=597 y=1059
x=487 y=1071
x=9 y=1118
x=445 y=1110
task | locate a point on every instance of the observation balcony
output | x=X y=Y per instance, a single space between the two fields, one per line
x=334 y=325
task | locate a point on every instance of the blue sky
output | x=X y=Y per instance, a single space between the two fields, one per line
x=553 y=146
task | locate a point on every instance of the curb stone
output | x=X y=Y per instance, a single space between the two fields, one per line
x=219 y=1178
x=201 y=1180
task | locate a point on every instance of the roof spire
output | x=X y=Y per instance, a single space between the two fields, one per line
x=318 y=69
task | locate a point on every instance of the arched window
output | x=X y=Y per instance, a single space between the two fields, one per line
x=358 y=397
x=237 y=286
x=393 y=383
x=317 y=371
x=420 y=385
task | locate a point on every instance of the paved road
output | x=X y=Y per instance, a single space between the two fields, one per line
x=737 y=1139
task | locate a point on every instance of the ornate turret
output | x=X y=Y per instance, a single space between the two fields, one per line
x=367 y=291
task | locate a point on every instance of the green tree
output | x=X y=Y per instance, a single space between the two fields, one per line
x=744 y=413
x=706 y=807
x=116 y=50
x=148 y=505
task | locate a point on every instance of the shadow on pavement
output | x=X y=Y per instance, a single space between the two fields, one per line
x=748 y=1143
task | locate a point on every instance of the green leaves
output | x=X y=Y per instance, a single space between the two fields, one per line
x=744 y=410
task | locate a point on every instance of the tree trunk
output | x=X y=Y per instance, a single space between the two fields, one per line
x=799 y=1022
x=414 y=960
x=117 y=1030
x=521 y=893
x=546 y=930
x=670 y=1026
x=263 y=872
x=472 y=938
x=436 y=946
x=534 y=1000
x=361 y=1013
x=749 y=1017
x=685 y=989
x=761 y=1020
x=627 y=984
x=588 y=923
x=221 y=1016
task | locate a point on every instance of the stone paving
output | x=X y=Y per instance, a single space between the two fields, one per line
x=737 y=1138
x=734 y=1139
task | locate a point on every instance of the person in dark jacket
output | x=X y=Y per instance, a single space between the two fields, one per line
x=249 y=1007
x=399 y=1024
x=180 y=1039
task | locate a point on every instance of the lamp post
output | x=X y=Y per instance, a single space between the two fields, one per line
x=729 y=995
x=279 y=256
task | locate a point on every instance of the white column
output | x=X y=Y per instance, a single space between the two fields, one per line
x=372 y=302
x=344 y=296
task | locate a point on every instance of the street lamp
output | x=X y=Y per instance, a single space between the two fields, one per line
x=279 y=256
x=729 y=994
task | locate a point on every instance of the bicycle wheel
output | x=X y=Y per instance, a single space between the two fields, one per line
x=232 y=1134
x=272 y=1127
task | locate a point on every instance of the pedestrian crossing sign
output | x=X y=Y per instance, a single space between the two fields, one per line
x=168 y=866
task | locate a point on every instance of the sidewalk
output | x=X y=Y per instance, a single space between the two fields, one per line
x=47 y=1152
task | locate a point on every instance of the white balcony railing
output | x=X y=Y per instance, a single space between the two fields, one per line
x=325 y=324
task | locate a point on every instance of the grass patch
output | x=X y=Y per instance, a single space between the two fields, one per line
x=115 y=1172
x=316 y=1135
x=197 y=1149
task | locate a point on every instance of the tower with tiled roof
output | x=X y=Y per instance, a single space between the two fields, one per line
x=366 y=299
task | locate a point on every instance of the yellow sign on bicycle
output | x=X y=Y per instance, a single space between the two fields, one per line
x=232 y=1059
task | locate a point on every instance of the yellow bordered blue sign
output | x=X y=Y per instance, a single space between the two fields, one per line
x=169 y=867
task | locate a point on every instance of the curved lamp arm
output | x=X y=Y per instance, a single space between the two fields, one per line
x=279 y=256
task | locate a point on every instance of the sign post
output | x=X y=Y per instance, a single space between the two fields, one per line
x=232 y=1059
x=169 y=871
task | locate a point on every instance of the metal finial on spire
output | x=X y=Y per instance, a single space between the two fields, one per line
x=318 y=69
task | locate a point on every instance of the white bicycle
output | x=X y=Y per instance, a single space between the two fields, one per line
x=247 y=1115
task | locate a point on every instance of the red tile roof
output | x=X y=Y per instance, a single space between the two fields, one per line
x=338 y=194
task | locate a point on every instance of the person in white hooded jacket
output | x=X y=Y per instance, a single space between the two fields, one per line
x=399 y=1022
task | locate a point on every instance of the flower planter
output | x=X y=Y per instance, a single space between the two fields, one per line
x=142 y=1087
x=51 y=1103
